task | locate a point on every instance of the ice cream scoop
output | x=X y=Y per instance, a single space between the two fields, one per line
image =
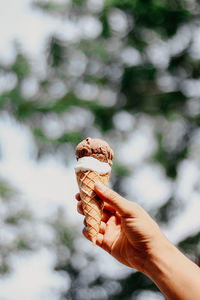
x=96 y=148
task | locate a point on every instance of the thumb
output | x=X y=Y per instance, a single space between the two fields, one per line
x=124 y=207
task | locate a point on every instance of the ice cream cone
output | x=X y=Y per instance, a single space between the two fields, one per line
x=92 y=204
x=94 y=162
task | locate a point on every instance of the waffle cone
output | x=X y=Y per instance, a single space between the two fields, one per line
x=92 y=204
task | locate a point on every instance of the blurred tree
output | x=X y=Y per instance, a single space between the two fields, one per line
x=134 y=60
x=14 y=219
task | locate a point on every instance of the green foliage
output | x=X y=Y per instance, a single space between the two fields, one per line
x=170 y=160
x=190 y=242
x=103 y=117
x=64 y=233
x=4 y=268
x=190 y=246
x=164 y=17
x=95 y=50
x=56 y=53
x=21 y=66
x=137 y=84
x=119 y=169
x=15 y=216
x=72 y=137
x=167 y=211
x=51 y=6
x=135 y=282
x=106 y=32
x=24 y=110
x=22 y=245
x=6 y=191
x=77 y=3
x=171 y=102
x=196 y=120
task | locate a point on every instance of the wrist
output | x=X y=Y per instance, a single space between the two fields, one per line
x=160 y=250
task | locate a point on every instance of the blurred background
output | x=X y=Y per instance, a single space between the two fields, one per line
x=125 y=71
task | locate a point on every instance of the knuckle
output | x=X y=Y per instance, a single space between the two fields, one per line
x=80 y=208
x=85 y=233
x=77 y=196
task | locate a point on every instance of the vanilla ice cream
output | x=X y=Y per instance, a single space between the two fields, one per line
x=88 y=163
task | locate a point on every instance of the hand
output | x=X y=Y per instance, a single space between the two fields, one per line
x=127 y=232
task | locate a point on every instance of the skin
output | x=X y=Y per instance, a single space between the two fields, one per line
x=130 y=235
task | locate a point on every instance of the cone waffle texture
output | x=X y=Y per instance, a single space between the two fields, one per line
x=92 y=204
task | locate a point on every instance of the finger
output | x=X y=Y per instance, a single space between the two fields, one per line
x=80 y=208
x=84 y=222
x=102 y=228
x=103 y=239
x=78 y=197
x=109 y=208
x=105 y=216
x=99 y=240
x=123 y=206
x=85 y=232
x=100 y=234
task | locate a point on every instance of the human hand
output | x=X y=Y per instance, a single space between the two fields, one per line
x=127 y=232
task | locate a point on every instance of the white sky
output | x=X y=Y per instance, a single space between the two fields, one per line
x=19 y=22
x=46 y=184
x=33 y=278
x=31 y=28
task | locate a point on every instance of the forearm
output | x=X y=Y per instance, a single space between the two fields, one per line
x=176 y=276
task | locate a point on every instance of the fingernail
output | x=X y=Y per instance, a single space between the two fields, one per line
x=100 y=186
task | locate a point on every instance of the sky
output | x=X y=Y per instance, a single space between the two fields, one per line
x=48 y=183
x=31 y=28
x=21 y=23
